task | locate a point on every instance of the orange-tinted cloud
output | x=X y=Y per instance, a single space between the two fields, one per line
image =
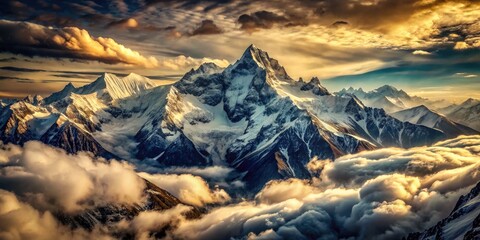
x=69 y=42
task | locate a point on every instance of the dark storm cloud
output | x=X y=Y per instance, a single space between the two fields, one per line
x=370 y=15
x=261 y=19
x=10 y=59
x=207 y=27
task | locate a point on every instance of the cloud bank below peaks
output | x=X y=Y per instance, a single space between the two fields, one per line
x=380 y=194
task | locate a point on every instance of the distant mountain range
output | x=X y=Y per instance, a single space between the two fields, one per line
x=390 y=98
x=466 y=113
x=394 y=100
x=426 y=117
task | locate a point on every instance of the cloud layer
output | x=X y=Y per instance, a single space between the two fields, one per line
x=381 y=194
x=51 y=179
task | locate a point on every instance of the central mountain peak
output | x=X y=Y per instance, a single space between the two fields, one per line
x=254 y=57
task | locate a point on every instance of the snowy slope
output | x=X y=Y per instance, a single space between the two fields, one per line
x=69 y=88
x=462 y=223
x=426 y=117
x=467 y=113
x=118 y=87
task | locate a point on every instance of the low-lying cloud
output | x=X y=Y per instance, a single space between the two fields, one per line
x=51 y=179
x=380 y=194
x=32 y=39
x=188 y=188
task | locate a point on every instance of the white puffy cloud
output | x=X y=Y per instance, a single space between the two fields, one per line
x=188 y=188
x=21 y=221
x=49 y=178
x=37 y=181
x=152 y=221
x=380 y=194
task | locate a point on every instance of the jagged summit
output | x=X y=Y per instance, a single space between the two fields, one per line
x=204 y=69
x=33 y=99
x=315 y=86
x=69 y=86
x=208 y=67
x=254 y=57
x=250 y=116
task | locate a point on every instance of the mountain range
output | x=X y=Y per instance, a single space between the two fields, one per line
x=250 y=116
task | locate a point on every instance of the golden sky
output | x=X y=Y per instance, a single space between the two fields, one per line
x=429 y=47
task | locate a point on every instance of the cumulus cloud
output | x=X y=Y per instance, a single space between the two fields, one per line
x=188 y=188
x=380 y=194
x=212 y=172
x=37 y=182
x=69 y=42
x=51 y=179
x=149 y=222
x=22 y=221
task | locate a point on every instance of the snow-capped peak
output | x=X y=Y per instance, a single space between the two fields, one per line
x=209 y=68
x=118 y=87
x=470 y=103
x=69 y=86
x=127 y=86
x=390 y=91
x=254 y=57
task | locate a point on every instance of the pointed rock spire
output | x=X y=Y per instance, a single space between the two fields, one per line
x=316 y=87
